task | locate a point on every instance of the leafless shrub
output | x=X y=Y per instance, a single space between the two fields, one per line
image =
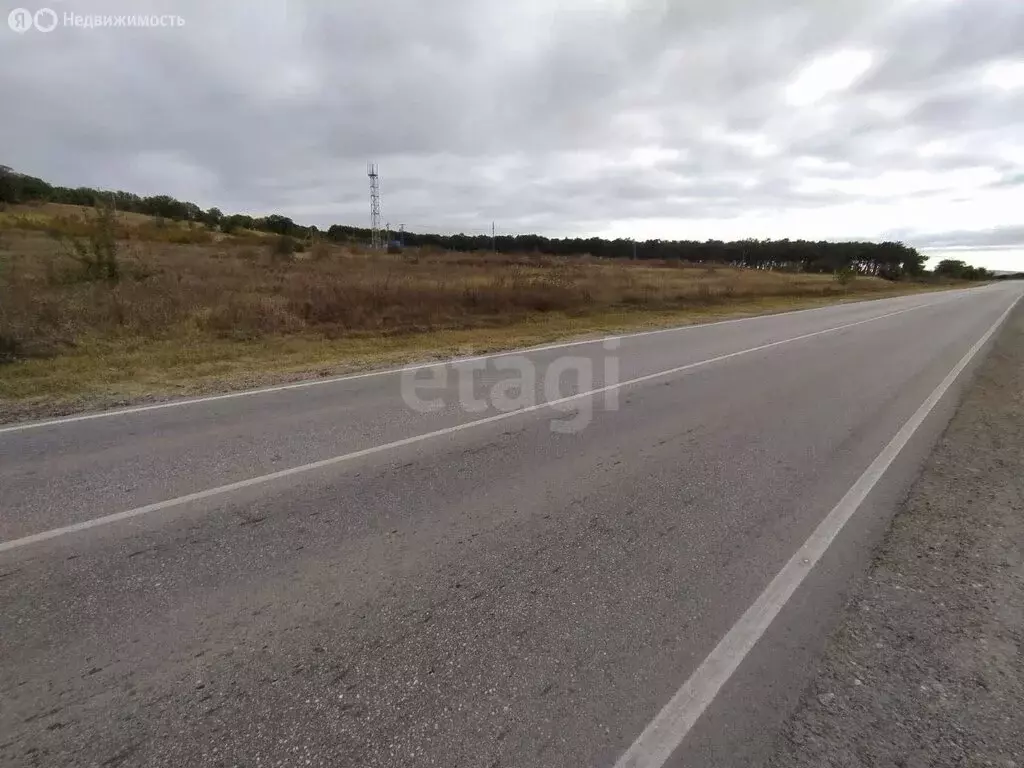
x=96 y=250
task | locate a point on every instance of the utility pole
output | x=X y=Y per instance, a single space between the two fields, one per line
x=494 y=242
x=371 y=171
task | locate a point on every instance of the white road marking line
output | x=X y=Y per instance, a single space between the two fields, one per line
x=670 y=726
x=390 y=371
x=261 y=479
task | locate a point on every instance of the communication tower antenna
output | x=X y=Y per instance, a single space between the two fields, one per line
x=371 y=171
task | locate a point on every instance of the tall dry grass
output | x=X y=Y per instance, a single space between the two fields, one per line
x=241 y=288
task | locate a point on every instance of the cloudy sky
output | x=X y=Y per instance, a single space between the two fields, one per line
x=636 y=118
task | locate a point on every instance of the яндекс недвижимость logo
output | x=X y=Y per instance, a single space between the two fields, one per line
x=22 y=20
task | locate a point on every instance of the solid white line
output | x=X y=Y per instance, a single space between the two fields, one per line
x=668 y=729
x=261 y=479
x=389 y=371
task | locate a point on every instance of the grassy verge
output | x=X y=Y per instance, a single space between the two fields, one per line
x=93 y=317
x=103 y=372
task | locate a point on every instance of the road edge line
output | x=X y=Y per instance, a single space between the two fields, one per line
x=669 y=728
x=59 y=421
x=115 y=517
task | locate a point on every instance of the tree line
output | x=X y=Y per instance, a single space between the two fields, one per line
x=891 y=260
x=961 y=270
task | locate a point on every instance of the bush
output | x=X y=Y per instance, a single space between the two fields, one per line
x=284 y=246
x=845 y=275
x=96 y=251
x=10 y=348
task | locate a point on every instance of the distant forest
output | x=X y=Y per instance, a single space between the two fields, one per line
x=891 y=260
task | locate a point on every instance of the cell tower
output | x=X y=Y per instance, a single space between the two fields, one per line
x=371 y=171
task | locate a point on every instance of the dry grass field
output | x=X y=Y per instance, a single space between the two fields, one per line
x=192 y=311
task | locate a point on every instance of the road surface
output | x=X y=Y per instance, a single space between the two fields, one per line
x=325 y=575
x=925 y=667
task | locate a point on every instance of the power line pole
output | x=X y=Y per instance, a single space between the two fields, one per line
x=371 y=171
x=494 y=243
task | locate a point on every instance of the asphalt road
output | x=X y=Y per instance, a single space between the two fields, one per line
x=397 y=587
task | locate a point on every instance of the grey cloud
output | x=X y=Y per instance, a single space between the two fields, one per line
x=932 y=43
x=999 y=237
x=481 y=110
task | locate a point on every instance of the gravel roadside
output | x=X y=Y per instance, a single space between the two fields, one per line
x=927 y=665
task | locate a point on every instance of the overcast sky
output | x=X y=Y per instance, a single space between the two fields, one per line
x=635 y=118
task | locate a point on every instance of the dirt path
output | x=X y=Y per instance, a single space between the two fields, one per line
x=927 y=666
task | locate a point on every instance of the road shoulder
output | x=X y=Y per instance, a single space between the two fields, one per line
x=927 y=664
x=99 y=376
